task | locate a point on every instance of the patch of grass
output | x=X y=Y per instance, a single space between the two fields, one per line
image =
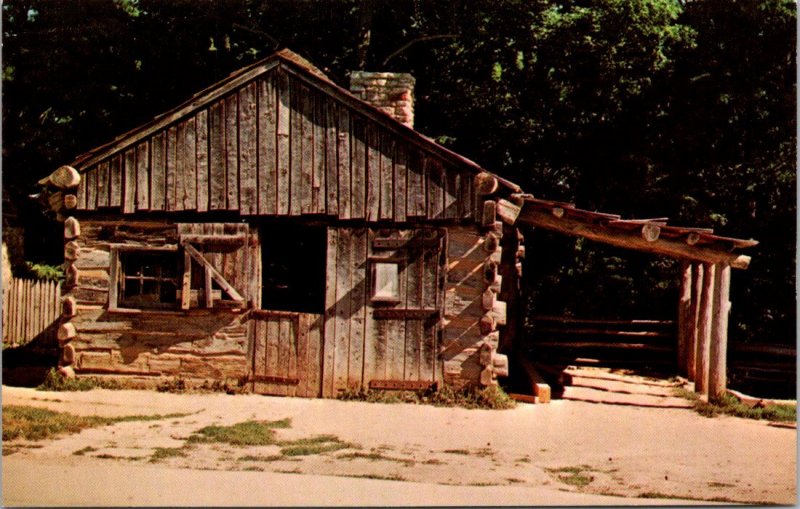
x=524 y=459
x=656 y=494
x=11 y=449
x=457 y=451
x=375 y=456
x=112 y=457
x=81 y=452
x=314 y=445
x=161 y=453
x=721 y=485
x=391 y=477
x=31 y=423
x=433 y=461
x=514 y=480
x=243 y=433
x=574 y=476
x=730 y=405
x=257 y=457
x=685 y=393
x=53 y=381
x=724 y=500
x=253 y=468
x=493 y=398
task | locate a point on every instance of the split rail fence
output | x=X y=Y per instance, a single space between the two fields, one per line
x=30 y=307
x=632 y=344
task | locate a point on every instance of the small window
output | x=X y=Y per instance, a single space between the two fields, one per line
x=146 y=279
x=293 y=270
x=386 y=278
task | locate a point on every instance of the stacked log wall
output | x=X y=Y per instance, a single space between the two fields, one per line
x=199 y=343
x=472 y=311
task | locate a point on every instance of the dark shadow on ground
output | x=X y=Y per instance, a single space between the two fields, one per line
x=28 y=364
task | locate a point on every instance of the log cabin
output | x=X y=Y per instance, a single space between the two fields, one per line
x=301 y=239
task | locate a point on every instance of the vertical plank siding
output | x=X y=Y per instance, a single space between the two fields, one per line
x=373 y=175
x=142 y=176
x=276 y=146
x=31 y=309
x=286 y=354
x=102 y=184
x=267 y=147
x=284 y=155
x=190 y=166
x=202 y=160
x=232 y=151
x=170 y=194
x=216 y=156
x=158 y=170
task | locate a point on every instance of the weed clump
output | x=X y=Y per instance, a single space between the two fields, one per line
x=54 y=381
x=730 y=405
x=179 y=385
x=493 y=397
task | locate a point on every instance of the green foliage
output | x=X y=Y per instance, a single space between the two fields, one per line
x=55 y=382
x=44 y=271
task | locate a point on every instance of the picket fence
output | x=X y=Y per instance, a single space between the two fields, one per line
x=30 y=307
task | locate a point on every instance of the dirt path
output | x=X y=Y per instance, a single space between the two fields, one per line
x=548 y=452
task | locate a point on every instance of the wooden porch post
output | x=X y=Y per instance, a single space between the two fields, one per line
x=704 y=330
x=719 y=336
x=694 y=314
x=684 y=323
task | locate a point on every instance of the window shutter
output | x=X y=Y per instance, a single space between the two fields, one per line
x=214 y=254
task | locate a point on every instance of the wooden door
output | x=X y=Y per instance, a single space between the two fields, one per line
x=384 y=304
x=402 y=346
x=286 y=353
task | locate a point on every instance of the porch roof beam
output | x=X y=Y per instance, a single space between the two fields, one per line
x=543 y=218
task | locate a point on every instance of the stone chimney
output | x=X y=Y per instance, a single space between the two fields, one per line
x=390 y=92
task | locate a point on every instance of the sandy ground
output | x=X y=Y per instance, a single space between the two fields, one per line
x=629 y=436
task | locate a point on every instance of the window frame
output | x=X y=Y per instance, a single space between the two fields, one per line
x=117 y=272
x=398 y=262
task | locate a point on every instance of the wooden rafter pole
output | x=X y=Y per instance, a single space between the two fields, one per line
x=685 y=325
x=694 y=314
x=632 y=239
x=704 y=330
x=717 y=382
